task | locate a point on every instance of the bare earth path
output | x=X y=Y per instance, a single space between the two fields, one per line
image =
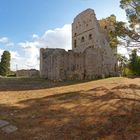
x=106 y=109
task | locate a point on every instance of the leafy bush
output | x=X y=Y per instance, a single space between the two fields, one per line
x=11 y=75
x=127 y=72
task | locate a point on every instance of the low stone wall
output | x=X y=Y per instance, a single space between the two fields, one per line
x=32 y=73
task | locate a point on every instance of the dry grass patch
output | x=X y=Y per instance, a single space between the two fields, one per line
x=106 y=109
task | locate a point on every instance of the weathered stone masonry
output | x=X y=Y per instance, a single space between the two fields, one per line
x=90 y=57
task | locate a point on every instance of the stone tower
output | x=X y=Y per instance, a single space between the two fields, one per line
x=86 y=32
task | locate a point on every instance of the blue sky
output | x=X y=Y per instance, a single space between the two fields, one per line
x=27 y=25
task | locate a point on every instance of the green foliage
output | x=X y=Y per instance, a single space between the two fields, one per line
x=132 y=8
x=127 y=72
x=123 y=61
x=132 y=68
x=134 y=63
x=110 y=23
x=126 y=33
x=11 y=74
x=129 y=32
x=5 y=63
x=113 y=39
x=118 y=29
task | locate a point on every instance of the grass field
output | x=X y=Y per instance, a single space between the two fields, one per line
x=106 y=109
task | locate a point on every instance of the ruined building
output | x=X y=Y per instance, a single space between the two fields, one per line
x=90 y=57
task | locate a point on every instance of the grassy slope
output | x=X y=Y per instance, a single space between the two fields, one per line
x=42 y=110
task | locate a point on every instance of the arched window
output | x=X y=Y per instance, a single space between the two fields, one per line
x=82 y=39
x=75 y=34
x=115 y=67
x=105 y=27
x=90 y=36
x=75 y=43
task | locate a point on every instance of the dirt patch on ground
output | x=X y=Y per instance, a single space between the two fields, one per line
x=106 y=109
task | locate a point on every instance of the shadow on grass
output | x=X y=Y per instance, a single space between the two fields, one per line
x=21 y=84
x=96 y=114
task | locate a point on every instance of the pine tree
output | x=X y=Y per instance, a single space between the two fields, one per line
x=5 y=63
x=130 y=33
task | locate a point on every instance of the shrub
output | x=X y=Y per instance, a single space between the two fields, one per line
x=127 y=72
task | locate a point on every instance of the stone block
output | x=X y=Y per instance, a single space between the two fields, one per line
x=3 y=123
x=9 y=129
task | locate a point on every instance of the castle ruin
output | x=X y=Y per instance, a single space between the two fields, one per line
x=90 y=57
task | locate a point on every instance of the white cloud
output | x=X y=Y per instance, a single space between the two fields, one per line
x=35 y=36
x=27 y=56
x=14 y=54
x=57 y=38
x=10 y=44
x=5 y=41
x=123 y=50
x=1 y=52
x=27 y=44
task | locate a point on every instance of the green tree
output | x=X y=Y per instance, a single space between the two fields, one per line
x=134 y=63
x=130 y=33
x=5 y=63
x=123 y=61
x=132 y=8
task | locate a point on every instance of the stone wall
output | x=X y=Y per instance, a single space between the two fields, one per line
x=53 y=64
x=91 y=64
x=32 y=73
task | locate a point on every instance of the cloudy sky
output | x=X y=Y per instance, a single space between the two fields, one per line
x=28 y=25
